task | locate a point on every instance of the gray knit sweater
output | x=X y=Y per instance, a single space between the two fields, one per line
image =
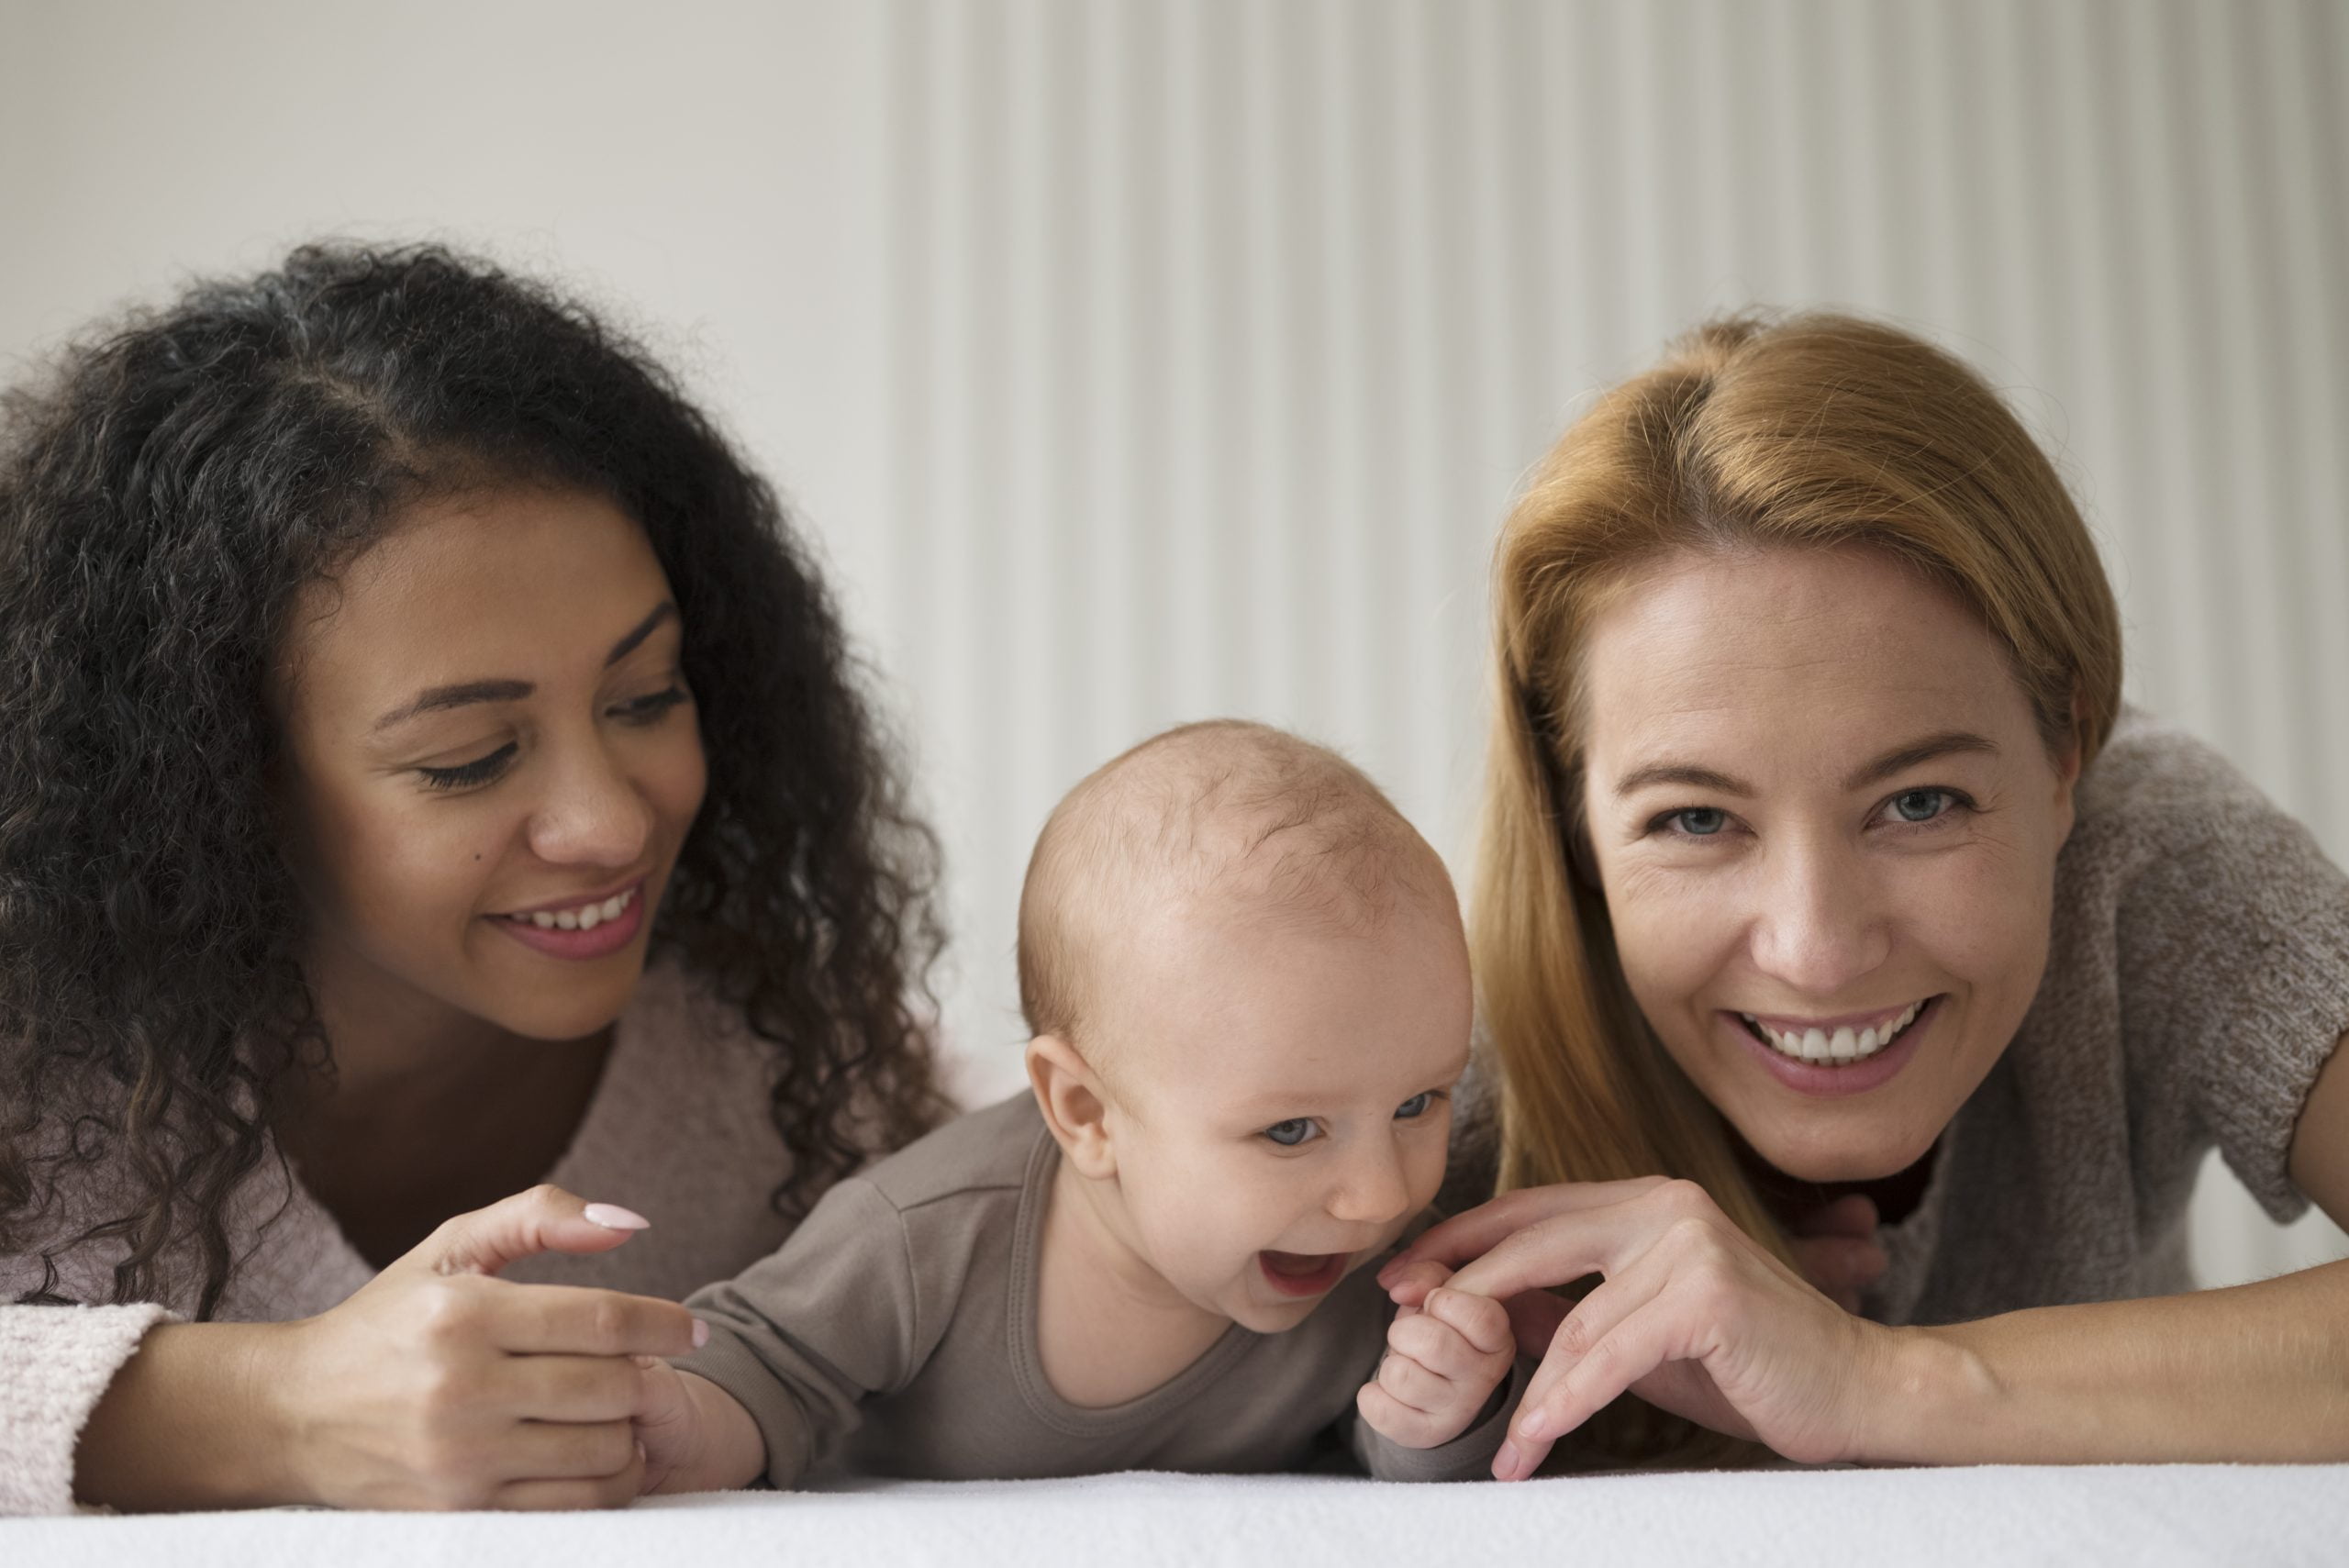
x=2198 y=978
x=678 y=1131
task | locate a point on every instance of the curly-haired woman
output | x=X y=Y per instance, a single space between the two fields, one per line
x=431 y=768
x=1824 y=869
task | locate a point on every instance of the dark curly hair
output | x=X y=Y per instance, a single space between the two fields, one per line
x=164 y=496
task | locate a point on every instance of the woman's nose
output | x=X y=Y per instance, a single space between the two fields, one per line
x=1821 y=926
x=1373 y=1187
x=591 y=815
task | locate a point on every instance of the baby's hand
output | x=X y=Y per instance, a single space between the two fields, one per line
x=696 y=1438
x=667 y=1427
x=1444 y=1358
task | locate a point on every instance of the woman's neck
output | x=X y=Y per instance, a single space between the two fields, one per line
x=427 y=1111
x=1896 y=1196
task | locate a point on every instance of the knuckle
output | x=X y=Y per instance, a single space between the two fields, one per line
x=546 y=1194
x=1573 y=1337
x=1683 y=1198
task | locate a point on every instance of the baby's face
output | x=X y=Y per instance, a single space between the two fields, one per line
x=1280 y=1100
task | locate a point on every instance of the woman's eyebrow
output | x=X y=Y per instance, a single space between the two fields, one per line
x=434 y=698
x=1680 y=773
x=1925 y=750
x=1899 y=760
x=666 y=610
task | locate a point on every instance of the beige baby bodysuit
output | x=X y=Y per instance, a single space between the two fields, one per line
x=895 y=1334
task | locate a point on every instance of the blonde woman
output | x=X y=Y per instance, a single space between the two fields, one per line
x=1824 y=870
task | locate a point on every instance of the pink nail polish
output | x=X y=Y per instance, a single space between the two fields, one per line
x=612 y=1216
x=1505 y=1461
x=701 y=1334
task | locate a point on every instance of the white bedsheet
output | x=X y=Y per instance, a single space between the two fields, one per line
x=2133 y=1514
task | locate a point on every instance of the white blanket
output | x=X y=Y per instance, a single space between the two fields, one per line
x=2129 y=1514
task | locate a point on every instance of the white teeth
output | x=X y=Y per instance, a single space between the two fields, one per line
x=585 y=917
x=1842 y=1046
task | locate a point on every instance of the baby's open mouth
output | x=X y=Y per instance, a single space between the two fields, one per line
x=1302 y=1274
x=1847 y=1041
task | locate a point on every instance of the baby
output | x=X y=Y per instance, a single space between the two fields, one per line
x=1248 y=992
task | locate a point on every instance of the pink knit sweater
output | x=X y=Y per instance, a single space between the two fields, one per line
x=678 y=1131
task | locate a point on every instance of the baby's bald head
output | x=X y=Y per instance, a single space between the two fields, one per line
x=1224 y=819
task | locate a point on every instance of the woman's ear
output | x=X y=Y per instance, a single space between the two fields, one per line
x=1077 y=1109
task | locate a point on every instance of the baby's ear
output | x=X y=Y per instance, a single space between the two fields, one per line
x=1069 y=1094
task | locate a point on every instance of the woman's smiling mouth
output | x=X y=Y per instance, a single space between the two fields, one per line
x=1833 y=1041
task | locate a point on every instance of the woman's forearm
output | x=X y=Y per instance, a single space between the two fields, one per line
x=2252 y=1372
x=187 y=1423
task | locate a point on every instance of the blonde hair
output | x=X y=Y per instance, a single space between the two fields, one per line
x=1274 y=825
x=1813 y=431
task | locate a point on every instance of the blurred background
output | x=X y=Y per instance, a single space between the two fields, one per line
x=1138 y=362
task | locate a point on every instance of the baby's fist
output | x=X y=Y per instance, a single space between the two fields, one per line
x=1443 y=1360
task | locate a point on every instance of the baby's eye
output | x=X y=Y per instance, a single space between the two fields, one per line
x=1417 y=1106
x=1290 y=1133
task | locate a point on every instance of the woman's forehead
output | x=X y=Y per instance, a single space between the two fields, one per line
x=1787 y=649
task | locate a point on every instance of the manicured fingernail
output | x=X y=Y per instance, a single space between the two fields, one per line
x=612 y=1216
x=1532 y=1425
x=701 y=1334
x=1505 y=1461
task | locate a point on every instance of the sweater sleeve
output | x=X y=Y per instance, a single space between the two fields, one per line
x=55 y=1363
x=1468 y=1457
x=800 y=1339
x=2234 y=955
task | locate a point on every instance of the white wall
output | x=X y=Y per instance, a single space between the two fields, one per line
x=1139 y=362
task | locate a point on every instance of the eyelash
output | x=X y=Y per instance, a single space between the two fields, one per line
x=1666 y=823
x=643 y=711
x=1426 y=1100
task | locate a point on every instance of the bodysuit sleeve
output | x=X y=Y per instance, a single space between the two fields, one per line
x=802 y=1337
x=1468 y=1457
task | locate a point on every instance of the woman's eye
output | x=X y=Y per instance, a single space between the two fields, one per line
x=1290 y=1133
x=464 y=774
x=645 y=709
x=1417 y=1106
x=1699 y=821
x=1921 y=804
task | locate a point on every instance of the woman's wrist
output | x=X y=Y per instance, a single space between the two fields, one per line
x=191 y=1421
x=1932 y=1398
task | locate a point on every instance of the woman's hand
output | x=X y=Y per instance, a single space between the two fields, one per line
x=1692 y=1314
x=437 y=1385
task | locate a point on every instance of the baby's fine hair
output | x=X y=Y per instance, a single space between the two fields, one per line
x=1250 y=818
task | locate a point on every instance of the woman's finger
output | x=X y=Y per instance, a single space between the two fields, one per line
x=544 y=1220
x=561 y=1319
x=1590 y=1320
x=617 y=1490
x=1593 y=1240
x=1840 y=1267
x=1476 y=1231
x=569 y=1389
x=1853 y=1215
x=566 y=1450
